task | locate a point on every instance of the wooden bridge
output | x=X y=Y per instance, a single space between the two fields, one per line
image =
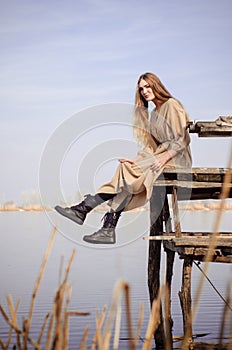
x=186 y=184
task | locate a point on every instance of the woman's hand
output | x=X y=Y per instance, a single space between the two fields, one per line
x=124 y=160
x=157 y=165
x=161 y=161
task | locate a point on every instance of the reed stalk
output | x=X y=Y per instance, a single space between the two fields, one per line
x=40 y=275
x=224 y=317
x=19 y=331
x=14 y=312
x=58 y=336
x=77 y=313
x=117 y=327
x=2 y=345
x=50 y=329
x=58 y=340
x=121 y=286
x=61 y=269
x=212 y=246
x=84 y=339
x=128 y=313
x=153 y=323
x=43 y=328
x=230 y=338
x=97 y=339
x=66 y=320
x=15 y=320
x=139 y=325
x=9 y=321
x=9 y=337
x=25 y=334
x=168 y=340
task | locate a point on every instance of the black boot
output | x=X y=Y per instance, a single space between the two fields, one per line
x=77 y=213
x=106 y=234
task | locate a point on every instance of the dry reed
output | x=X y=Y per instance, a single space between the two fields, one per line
x=153 y=322
x=54 y=331
x=58 y=327
x=210 y=252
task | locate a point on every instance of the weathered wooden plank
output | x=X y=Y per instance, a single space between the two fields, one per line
x=222 y=259
x=198 y=193
x=189 y=184
x=223 y=254
x=196 y=252
x=159 y=238
x=196 y=174
x=171 y=235
x=195 y=183
x=206 y=193
x=210 y=129
x=215 y=132
x=202 y=241
x=180 y=250
x=196 y=170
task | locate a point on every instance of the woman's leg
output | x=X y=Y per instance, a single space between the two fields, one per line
x=120 y=200
x=126 y=177
x=78 y=212
x=106 y=234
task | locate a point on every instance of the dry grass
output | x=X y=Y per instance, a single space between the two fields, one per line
x=54 y=331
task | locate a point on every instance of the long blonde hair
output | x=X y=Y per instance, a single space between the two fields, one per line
x=141 y=115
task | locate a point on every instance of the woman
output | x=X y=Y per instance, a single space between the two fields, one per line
x=166 y=144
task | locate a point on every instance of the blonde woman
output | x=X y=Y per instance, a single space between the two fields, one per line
x=165 y=141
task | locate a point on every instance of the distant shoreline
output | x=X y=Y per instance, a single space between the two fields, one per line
x=190 y=206
x=24 y=208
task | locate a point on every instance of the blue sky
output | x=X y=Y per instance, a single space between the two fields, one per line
x=58 y=58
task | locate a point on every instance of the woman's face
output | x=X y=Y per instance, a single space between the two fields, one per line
x=146 y=90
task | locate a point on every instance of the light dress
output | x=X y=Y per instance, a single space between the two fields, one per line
x=136 y=181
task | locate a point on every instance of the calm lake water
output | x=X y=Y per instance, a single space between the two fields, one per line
x=24 y=238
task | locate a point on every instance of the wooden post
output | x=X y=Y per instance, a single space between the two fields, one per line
x=185 y=297
x=170 y=256
x=154 y=257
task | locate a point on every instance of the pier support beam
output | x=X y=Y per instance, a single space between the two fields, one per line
x=154 y=257
x=170 y=256
x=185 y=297
x=168 y=316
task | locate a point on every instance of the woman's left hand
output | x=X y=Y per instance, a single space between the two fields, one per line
x=126 y=160
x=159 y=162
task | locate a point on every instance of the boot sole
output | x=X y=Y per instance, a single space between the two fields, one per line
x=97 y=241
x=70 y=216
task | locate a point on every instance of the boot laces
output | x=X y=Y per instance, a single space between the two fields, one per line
x=110 y=219
x=81 y=206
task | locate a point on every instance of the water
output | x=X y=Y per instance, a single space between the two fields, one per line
x=24 y=238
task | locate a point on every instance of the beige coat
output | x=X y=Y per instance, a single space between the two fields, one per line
x=135 y=181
